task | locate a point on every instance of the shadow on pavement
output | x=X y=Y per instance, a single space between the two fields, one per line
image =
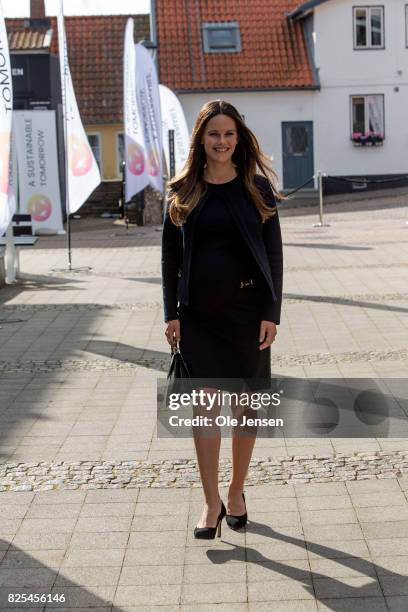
x=125 y=353
x=332 y=247
x=32 y=379
x=35 y=282
x=342 y=302
x=22 y=576
x=332 y=587
x=145 y=279
x=96 y=233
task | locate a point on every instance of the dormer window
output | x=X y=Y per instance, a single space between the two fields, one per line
x=368 y=22
x=221 y=37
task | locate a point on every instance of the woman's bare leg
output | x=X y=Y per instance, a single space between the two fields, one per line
x=242 y=448
x=207 y=444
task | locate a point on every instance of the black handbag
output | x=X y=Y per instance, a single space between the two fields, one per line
x=178 y=367
x=178 y=377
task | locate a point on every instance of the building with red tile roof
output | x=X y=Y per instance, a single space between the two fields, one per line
x=251 y=54
x=273 y=49
x=316 y=81
x=95 y=51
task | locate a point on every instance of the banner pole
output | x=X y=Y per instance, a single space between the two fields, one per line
x=320 y=198
x=69 y=243
x=171 y=170
x=74 y=136
x=172 y=159
x=66 y=183
x=65 y=123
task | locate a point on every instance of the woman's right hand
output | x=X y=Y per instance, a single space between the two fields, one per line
x=173 y=332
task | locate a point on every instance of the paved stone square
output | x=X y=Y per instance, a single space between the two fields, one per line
x=95 y=507
x=317 y=546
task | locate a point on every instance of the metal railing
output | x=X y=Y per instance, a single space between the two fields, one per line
x=318 y=176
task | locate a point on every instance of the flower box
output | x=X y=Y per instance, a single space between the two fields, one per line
x=370 y=139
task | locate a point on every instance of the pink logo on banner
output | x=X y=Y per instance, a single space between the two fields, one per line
x=153 y=163
x=79 y=155
x=4 y=156
x=39 y=207
x=135 y=159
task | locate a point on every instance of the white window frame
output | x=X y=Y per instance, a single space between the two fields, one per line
x=366 y=113
x=368 y=10
x=99 y=159
x=118 y=168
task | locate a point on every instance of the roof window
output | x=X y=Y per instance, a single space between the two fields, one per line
x=221 y=37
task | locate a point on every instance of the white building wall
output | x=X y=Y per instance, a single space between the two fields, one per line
x=264 y=113
x=344 y=72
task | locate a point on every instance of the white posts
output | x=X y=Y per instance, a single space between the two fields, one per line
x=321 y=222
x=11 y=257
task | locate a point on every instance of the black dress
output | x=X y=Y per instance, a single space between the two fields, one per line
x=219 y=328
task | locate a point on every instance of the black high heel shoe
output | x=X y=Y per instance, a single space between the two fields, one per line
x=208 y=533
x=237 y=522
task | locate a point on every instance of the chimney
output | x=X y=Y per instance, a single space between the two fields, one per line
x=37 y=20
x=37 y=9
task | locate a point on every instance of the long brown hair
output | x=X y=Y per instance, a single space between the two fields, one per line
x=187 y=187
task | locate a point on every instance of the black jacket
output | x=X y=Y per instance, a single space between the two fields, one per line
x=264 y=240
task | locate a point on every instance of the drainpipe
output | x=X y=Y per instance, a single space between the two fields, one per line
x=153 y=33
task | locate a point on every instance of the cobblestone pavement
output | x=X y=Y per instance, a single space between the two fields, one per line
x=95 y=507
x=322 y=467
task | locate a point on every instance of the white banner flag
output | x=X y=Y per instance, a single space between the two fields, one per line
x=136 y=177
x=148 y=99
x=39 y=189
x=6 y=112
x=173 y=118
x=83 y=172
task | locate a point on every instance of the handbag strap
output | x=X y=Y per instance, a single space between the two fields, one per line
x=174 y=349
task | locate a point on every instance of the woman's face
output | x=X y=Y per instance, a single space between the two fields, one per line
x=220 y=138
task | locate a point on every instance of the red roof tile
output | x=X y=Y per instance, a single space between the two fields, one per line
x=273 y=55
x=95 y=51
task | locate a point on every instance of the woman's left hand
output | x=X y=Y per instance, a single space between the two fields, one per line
x=267 y=334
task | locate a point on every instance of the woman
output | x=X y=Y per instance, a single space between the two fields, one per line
x=222 y=262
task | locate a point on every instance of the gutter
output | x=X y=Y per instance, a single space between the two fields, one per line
x=245 y=89
x=303 y=9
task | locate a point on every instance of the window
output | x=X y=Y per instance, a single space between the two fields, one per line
x=368 y=27
x=120 y=152
x=221 y=37
x=367 y=119
x=297 y=140
x=94 y=140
